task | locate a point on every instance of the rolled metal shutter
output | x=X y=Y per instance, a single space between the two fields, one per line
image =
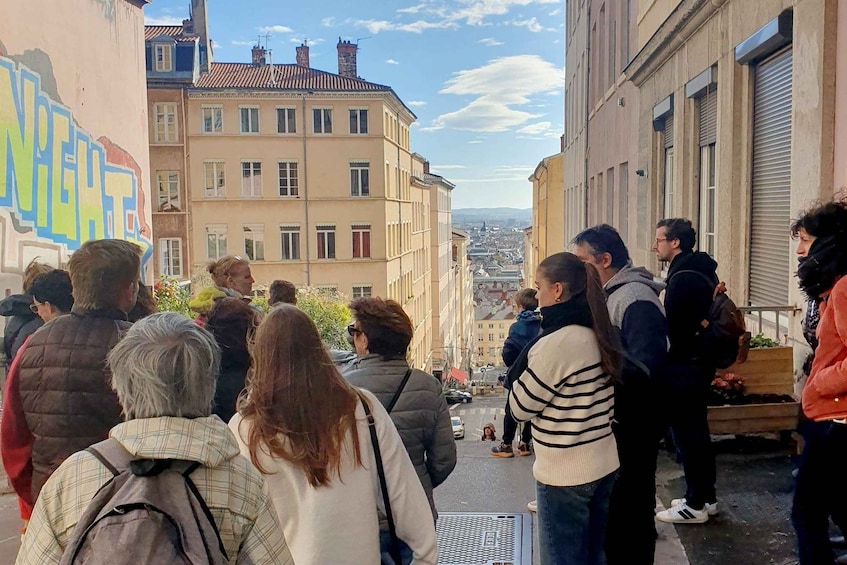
x=771 y=187
x=708 y=110
x=669 y=130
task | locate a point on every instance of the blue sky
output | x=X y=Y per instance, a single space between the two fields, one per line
x=484 y=77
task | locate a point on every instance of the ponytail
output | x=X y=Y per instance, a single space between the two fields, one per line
x=607 y=337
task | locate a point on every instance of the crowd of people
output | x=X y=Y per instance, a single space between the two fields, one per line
x=261 y=442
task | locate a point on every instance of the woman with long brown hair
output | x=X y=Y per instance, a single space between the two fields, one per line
x=305 y=428
x=563 y=384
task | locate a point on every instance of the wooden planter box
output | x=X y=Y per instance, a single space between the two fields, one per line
x=766 y=371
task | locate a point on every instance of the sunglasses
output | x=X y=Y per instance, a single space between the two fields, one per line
x=353 y=330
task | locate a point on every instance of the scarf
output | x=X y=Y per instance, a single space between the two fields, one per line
x=573 y=312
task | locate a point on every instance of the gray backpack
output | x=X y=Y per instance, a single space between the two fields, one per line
x=149 y=512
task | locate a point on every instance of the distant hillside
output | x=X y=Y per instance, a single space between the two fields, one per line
x=492 y=213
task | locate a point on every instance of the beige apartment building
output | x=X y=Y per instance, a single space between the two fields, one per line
x=463 y=304
x=548 y=203
x=492 y=329
x=421 y=304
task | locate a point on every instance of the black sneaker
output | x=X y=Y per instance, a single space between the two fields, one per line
x=504 y=450
x=524 y=449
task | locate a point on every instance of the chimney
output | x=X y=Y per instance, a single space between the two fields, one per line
x=562 y=143
x=426 y=167
x=188 y=27
x=303 y=55
x=259 y=56
x=200 y=26
x=347 y=59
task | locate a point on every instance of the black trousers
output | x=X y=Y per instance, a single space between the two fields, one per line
x=819 y=493
x=510 y=427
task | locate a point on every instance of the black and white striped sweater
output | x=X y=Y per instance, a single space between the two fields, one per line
x=570 y=401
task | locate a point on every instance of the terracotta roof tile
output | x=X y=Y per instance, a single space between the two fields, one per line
x=152 y=32
x=287 y=77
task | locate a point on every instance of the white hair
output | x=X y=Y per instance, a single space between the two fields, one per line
x=165 y=365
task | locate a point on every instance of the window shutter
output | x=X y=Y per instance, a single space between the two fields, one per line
x=708 y=110
x=669 y=130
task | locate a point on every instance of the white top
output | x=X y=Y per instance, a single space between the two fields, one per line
x=570 y=400
x=338 y=523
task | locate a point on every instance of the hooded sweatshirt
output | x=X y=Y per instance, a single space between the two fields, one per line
x=527 y=326
x=688 y=299
x=22 y=323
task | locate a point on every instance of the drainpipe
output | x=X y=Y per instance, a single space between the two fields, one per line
x=587 y=105
x=306 y=195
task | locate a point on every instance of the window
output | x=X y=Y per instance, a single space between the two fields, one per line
x=290 y=239
x=164 y=58
x=668 y=187
x=285 y=120
x=213 y=119
x=165 y=122
x=322 y=120
x=254 y=242
x=360 y=179
x=362 y=291
x=249 y=120
x=288 y=178
x=168 y=191
x=251 y=178
x=502 y=335
x=708 y=158
x=215 y=242
x=480 y=337
x=490 y=337
x=361 y=241
x=490 y=326
x=326 y=242
x=358 y=120
x=215 y=182
x=170 y=255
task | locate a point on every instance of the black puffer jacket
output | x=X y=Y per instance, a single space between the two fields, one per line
x=22 y=323
x=420 y=415
x=65 y=387
x=688 y=298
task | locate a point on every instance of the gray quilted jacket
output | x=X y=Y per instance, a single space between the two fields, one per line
x=420 y=415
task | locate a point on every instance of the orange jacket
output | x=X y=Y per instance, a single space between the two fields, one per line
x=825 y=393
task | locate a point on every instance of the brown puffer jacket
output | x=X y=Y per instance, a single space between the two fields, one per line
x=66 y=389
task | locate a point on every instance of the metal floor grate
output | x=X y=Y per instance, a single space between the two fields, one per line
x=484 y=539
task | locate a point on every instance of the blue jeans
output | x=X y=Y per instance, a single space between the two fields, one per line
x=385 y=551
x=572 y=522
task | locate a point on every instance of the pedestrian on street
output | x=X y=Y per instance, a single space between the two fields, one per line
x=22 y=321
x=817 y=494
x=63 y=390
x=527 y=326
x=282 y=291
x=637 y=314
x=163 y=372
x=563 y=382
x=307 y=430
x=691 y=283
x=489 y=433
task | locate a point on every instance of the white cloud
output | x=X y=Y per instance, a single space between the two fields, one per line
x=490 y=42
x=216 y=46
x=493 y=108
x=416 y=103
x=476 y=11
x=391 y=62
x=505 y=169
x=487 y=180
x=275 y=29
x=376 y=26
x=243 y=43
x=162 y=21
x=309 y=42
x=412 y=9
x=555 y=12
x=448 y=167
x=328 y=22
x=535 y=129
x=530 y=24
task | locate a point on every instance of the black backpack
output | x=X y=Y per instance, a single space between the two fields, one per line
x=723 y=337
x=149 y=512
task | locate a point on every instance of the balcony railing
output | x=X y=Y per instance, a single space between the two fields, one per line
x=769 y=318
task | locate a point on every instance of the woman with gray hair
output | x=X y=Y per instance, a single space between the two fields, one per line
x=163 y=372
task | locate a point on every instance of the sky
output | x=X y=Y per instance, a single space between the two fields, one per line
x=484 y=77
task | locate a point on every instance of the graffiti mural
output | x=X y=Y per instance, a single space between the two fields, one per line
x=59 y=182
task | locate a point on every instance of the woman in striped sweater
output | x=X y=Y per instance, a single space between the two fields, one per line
x=562 y=383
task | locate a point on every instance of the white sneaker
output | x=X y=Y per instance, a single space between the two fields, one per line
x=532 y=506
x=683 y=514
x=711 y=507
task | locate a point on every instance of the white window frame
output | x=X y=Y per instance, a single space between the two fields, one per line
x=167 y=130
x=253 y=192
x=356 y=114
x=292 y=190
x=217 y=188
x=362 y=291
x=326 y=230
x=324 y=120
x=256 y=233
x=169 y=266
x=290 y=120
x=171 y=179
x=220 y=231
x=667 y=189
x=163 y=57
x=707 y=237
x=290 y=232
x=215 y=115
x=357 y=184
x=251 y=123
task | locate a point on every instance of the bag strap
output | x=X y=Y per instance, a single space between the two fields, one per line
x=396 y=396
x=383 y=485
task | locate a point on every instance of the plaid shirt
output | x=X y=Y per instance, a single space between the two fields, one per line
x=231 y=487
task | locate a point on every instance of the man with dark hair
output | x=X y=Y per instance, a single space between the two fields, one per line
x=282 y=292
x=636 y=312
x=64 y=393
x=691 y=283
x=52 y=294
